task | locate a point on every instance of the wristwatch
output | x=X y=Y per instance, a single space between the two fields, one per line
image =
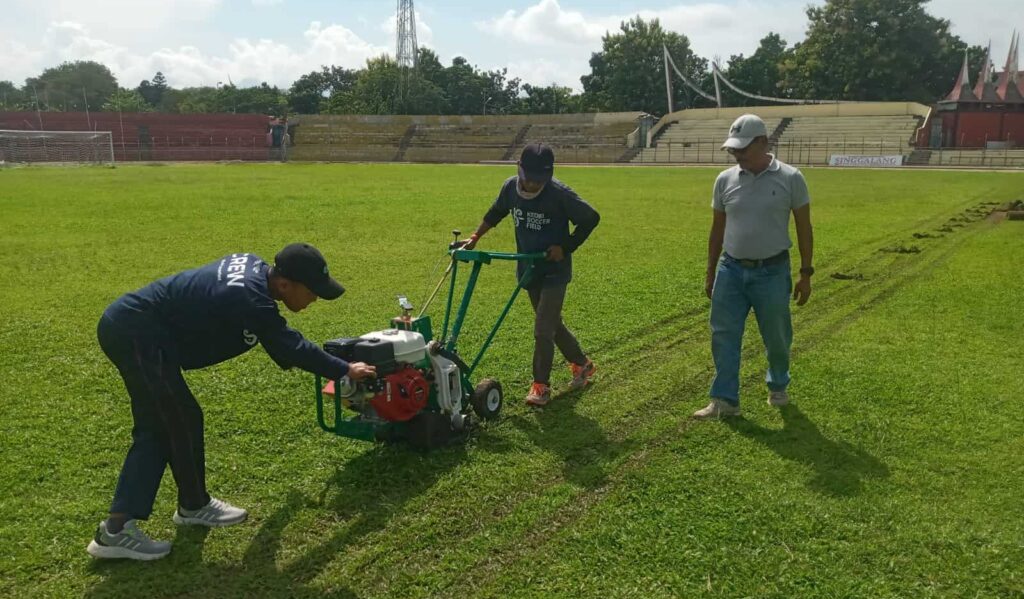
x=807 y=270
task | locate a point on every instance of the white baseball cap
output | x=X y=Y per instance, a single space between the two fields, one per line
x=745 y=130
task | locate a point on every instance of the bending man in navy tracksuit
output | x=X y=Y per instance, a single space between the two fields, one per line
x=190 y=320
x=542 y=209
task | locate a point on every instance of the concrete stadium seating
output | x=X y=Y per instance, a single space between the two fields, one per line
x=327 y=138
x=694 y=141
x=465 y=138
x=804 y=134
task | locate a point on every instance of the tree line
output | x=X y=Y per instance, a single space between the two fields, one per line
x=864 y=50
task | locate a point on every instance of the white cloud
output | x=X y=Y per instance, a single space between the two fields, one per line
x=976 y=27
x=547 y=23
x=424 y=34
x=713 y=28
x=244 y=60
x=112 y=18
x=716 y=30
x=545 y=71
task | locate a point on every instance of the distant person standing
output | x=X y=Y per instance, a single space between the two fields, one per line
x=751 y=205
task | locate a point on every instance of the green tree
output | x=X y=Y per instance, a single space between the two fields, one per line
x=379 y=90
x=153 y=91
x=258 y=99
x=760 y=73
x=875 y=50
x=467 y=89
x=552 y=99
x=464 y=87
x=71 y=84
x=11 y=97
x=502 y=92
x=310 y=91
x=197 y=100
x=127 y=100
x=430 y=67
x=628 y=73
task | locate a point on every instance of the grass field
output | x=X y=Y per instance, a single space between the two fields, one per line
x=895 y=472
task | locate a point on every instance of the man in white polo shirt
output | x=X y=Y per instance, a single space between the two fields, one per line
x=751 y=206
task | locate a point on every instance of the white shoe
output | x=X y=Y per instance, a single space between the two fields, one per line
x=214 y=514
x=130 y=543
x=716 y=409
x=778 y=398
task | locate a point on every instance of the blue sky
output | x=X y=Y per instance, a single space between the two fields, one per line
x=196 y=42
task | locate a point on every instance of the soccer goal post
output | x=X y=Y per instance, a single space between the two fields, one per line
x=56 y=146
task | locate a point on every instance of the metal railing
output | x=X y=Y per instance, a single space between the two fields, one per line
x=173 y=149
x=977 y=157
x=805 y=151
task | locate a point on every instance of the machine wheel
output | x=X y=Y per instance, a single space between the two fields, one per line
x=487 y=399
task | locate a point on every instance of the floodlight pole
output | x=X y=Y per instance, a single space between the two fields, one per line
x=718 y=89
x=85 y=99
x=668 y=78
x=39 y=114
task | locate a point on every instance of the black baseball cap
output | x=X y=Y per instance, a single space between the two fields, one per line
x=537 y=162
x=303 y=263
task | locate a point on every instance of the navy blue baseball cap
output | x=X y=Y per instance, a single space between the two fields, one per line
x=303 y=263
x=537 y=162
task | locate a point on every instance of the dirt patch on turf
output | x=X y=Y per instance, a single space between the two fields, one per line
x=1006 y=211
x=926 y=236
x=901 y=249
x=842 y=276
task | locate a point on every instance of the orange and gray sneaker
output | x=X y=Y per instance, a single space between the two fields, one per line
x=539 y=395
x=581 y=374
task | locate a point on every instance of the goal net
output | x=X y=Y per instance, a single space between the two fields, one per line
x=56 y=146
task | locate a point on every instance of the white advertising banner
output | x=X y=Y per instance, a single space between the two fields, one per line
x=859 y=160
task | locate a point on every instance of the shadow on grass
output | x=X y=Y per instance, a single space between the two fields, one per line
x=579 y=441
x=839 y=468
x=364 y=494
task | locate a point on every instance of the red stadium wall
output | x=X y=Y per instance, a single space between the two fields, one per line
x=963 y=129
x=155 y=136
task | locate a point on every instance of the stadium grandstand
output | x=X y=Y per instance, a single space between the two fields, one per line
x=803 y=134
x=979 y=125
x=586 y=138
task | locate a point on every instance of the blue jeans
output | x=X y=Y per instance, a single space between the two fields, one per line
x=737 y=289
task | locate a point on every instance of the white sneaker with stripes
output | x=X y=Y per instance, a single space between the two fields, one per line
x=130 y=543
x=214 y=514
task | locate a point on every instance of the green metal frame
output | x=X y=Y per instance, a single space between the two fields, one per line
x=346 y=427
x=359 y=429
x=478 y=259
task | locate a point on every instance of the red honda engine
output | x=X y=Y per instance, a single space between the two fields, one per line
x=402 y=395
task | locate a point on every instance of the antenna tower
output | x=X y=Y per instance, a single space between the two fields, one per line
x=405 y=54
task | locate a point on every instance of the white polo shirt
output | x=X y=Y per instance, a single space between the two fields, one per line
x=757 y=208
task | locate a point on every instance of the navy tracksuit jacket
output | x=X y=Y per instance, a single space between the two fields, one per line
x=189 y=320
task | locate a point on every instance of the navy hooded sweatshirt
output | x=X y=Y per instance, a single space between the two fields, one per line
x=210 y=314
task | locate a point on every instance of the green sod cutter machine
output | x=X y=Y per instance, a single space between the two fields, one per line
x=423 y=392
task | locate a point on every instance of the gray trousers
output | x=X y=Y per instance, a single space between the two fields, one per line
x=549 y=331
